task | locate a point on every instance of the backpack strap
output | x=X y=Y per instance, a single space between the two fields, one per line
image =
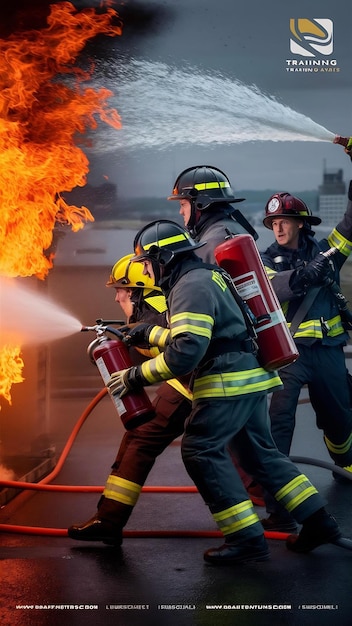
x=303 y=309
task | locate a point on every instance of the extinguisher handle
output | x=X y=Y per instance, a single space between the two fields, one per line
x=102 y=322
x=115 y=331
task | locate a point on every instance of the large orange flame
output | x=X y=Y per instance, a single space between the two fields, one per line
x=41 y=112
x=11 y=365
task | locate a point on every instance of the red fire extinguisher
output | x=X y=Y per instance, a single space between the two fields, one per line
x=239 y=257
x=111 y=355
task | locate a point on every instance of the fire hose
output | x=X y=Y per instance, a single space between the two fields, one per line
x=43 y=485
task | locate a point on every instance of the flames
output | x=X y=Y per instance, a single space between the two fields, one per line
x=11 y=365
x=44 y=105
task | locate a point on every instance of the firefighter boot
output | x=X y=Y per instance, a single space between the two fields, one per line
x=96 y=529
x=317 y=529
x=255 y=549
x=280 y=524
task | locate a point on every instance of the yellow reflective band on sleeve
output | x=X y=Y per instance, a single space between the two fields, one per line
x=182 y=389
x=236 y=518
x=149 y=352
x=159 y=336
x=121 y=490
x=195 y=323
x=336 y=240
x=235 y=383
x=341 y=448
x=157 y=302
x=295 y=492
x=214 y=185
x=155 y=370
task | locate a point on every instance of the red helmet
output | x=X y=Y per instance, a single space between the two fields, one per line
x=284 y=205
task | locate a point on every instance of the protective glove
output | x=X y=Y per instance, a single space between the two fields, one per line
x=348 y=148
x=316 y=272
x=123 y=381
x=136 y=335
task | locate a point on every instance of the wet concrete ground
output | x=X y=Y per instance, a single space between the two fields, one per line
x=161 y=580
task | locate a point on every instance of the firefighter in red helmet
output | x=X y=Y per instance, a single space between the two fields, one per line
x=209 y=335
x=306 y=282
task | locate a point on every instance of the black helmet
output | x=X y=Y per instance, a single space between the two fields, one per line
x=161 y=241
x=284 y=205
x=204 y=185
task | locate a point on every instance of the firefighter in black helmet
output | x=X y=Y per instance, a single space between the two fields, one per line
x=206 y=198
x=208 y=335
x=307 y=285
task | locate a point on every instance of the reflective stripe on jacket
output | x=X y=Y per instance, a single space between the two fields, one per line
x=202 y=309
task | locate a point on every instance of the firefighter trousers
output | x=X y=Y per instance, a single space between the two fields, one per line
x=138 y=451
x=323 y=370
x=243 y=423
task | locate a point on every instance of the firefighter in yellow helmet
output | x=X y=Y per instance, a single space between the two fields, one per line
x=142 y=302
x=135 y=293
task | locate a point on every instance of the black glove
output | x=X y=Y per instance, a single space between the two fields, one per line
x=316 y=272
x=136 y=335
x=124 y=381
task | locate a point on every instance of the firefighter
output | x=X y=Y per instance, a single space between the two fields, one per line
x=141 y=301
x=209 y=335
x=205 y=198
x=306 y=281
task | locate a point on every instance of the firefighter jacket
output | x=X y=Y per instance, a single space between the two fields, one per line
x=213 y=228
x=150 y=307
x=207 y=334
x=323 y=321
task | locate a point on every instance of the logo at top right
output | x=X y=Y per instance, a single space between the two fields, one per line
x=311 y=37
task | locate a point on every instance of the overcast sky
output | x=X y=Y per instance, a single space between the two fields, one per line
x=247 y=42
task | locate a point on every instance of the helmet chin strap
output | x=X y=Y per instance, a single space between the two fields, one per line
x=194 y=219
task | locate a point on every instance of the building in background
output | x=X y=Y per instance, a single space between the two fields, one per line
x=332 y=196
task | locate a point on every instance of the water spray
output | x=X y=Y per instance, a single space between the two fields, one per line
x=112 y=355
x=245 y=114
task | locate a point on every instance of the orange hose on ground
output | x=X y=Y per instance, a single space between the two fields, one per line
x=43 y=486
x=62 y=532
x=73 y=436
x=90 y=488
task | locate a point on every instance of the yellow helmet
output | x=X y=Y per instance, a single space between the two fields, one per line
x=129 y=275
